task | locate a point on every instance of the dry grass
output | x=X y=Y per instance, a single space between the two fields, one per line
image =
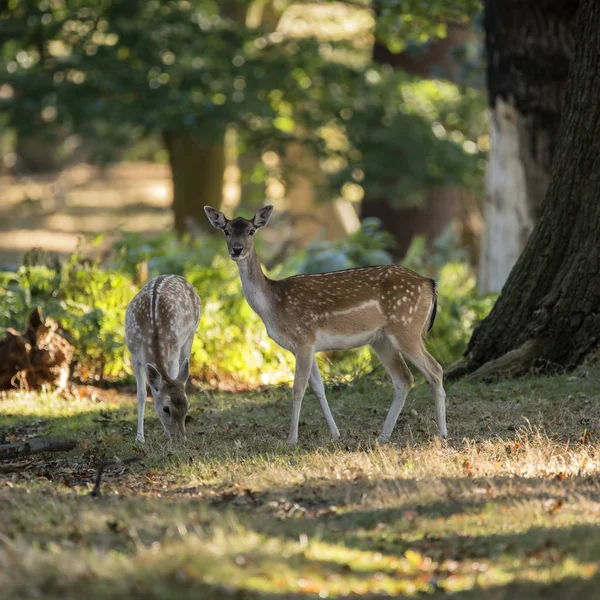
x=507 y=507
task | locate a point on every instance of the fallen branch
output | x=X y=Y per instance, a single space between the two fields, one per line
x=14 y=467
x=35 y=446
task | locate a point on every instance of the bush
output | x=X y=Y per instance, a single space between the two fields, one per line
x=88 y=300
x=369 y=246
x=459 y=309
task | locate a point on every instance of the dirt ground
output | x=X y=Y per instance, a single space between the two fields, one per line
x=56 y=211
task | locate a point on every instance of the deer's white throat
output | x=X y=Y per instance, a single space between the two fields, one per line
x=255 y=286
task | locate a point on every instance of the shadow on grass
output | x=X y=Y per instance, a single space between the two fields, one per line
x=569 y=587
x=475 y=411
x=538 y=553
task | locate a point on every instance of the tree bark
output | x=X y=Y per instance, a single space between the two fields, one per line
x=197 y=169
x=530 y=45
x=550 y=301
x=38 y=357
x=35 y=446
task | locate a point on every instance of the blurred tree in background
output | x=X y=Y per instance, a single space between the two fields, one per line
x=530 y=46
x=114 y=72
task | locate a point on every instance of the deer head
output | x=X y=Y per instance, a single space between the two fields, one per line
x=239 y=232
x=170 y=401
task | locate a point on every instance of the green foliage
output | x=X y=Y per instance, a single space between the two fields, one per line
x=89 y=303
x=369 y=246
x=402 y=23
x=232 y=347
x=86 y=300
x=460 y=308
x=121 y=72
x=409 y=135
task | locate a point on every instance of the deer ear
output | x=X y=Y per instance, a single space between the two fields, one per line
x=184 y=371
x=217 y=218
x=262 y=216
x=154 y=377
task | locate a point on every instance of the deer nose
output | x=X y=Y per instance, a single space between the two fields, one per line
x=236 y=250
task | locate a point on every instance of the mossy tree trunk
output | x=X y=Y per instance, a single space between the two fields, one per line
x=548 y=311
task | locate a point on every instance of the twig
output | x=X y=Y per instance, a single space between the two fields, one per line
x=95 y=493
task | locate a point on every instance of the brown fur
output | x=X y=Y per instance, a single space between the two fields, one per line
x=388 y=307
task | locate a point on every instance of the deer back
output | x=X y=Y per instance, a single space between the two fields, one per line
x=160 y=318
x=345 y=303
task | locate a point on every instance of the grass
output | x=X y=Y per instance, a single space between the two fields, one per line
x=507 y=507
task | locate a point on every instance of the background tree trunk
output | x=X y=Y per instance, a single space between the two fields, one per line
x=530 y=45
x=548 y=309
x=197 y=164
x=441 y=205
x=197 y=171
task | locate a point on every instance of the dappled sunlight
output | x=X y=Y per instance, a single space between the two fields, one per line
x=509 y=502
x=53 y=210
x=151 y=546
x=21 y=404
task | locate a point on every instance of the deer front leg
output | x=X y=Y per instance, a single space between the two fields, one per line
x=140 y=380
x=316 y=385
x=304 y=360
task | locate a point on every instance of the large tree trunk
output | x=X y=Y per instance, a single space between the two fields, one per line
x=530 y=45
x=548 y=310
x=197 y=171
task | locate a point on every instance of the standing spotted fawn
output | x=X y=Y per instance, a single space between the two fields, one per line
x=160 y=324
x=389 y=307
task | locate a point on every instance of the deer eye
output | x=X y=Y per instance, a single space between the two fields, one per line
x=252 y=232
x=167 y=410
x=226 y=233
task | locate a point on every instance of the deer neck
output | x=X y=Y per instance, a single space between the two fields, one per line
x=256 y=286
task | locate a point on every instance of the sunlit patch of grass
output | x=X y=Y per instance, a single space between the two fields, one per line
x=508 y=507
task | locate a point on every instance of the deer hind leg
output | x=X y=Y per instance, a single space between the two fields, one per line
x=304 y=359
x=316 y=385
x=140 y=380
x=402 y=379
x=418 y=356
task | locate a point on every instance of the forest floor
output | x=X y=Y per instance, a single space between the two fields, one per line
x=58 y=211
x=507 y=507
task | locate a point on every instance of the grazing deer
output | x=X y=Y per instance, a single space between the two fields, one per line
x=160 y=324
x=389 y=307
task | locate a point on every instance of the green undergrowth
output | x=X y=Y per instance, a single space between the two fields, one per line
x=231 y=349
x=507 y=507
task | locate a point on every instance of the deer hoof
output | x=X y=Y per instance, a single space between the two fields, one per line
x=292 y=440
x=140 y=439
x=382 y=439
x=335 y=435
